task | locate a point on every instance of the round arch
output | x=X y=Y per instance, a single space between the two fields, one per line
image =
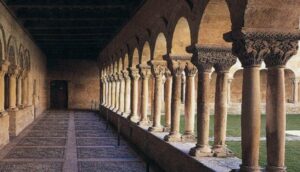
x=146 y=53
x=2 y=44
x=160 y=48
x=12 y=50
x=181 y=37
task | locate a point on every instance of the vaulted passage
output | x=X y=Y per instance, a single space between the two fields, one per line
x=192 y=85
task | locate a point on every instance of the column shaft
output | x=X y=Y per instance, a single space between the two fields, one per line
x=189 y=110
x=168 y=96
x=117 y=94
x=203 y=112
x=127 y=97
x=144 y=104
x=12 y=92
x=122 y=95
x=175 y=108
x=251 y=118
x=157 y=104
x=134 y=93
x=19 y=91
x=275 y=119
x=296 y=91
x=2 y=92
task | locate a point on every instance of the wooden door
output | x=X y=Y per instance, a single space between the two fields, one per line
x=59 y=94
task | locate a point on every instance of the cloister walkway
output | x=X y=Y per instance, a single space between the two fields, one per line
x=69 y=141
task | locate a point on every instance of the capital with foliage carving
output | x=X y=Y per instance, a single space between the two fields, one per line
x=191 y=70
x=145 y=71
x=134 y=73
x=158 y=68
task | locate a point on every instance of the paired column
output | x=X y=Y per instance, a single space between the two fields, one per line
x=109 y=91
x=145 y=74
x=127 y=93
x=134 y=117
x=25 y=89
x=168 y=96
x=280 y=52
x=122 y=93
x=224 y=61
x=250 y=52
x=189 y=109
x=158 y=70
x=229 y=90
x=176 y=65
x=19 y=90
x=3 y=70
x=13 y=73
x=203 y=60
x=117 y=92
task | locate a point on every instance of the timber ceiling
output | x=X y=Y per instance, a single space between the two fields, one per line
x=76 y=29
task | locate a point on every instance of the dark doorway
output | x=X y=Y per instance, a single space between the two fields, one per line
x=59 y=94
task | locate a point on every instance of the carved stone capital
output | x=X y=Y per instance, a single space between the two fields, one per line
x=158 y=67
x=191 y=70
x=126 y=74
x=13 y=71
x=145 y=73
x=168 y=73
x=280 y=52
x=177 y=67
x=134 y=73
x=273 y=47
x=4 y=66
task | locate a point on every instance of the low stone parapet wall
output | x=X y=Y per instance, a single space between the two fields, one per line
x=172 y=157
x=20 y=119
x=4 y=129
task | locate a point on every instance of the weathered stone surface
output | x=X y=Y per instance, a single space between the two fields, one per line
x=36 y=153
x=98 y=142
x=111 y=166
x=27 y=141
x=31 y=166
x=105 y=152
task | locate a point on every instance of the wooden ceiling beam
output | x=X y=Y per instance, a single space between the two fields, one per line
x=98 y=7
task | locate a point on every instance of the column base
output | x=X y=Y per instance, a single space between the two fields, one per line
x=144 y=123
x=188 y=137
x=276 y=169
x=119 y=113
x=13 y=109
x=155 y=129
x=222 y=151
x=244 y=168
x=134 y=118
x=125 y=114
x=3 y=114
x=201 y=151
x=166 y=129
x=115 y=109
x=173 y=137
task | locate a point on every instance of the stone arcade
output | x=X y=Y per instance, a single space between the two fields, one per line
x=172 y=58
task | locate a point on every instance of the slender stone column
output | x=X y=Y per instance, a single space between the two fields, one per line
x=127 y=93
x=19 y=91
x=229 y=90
x=222 y=65
x=109 y=92
x=177 y=65
x=24 y=89
x=189 y=110
x=134 y=117
x=122 y=93
x=203 y=60
x=12 y=73
x=113 y=92
x=117 y=92
x=145 y=74
x=158 y=69
x=3 y=70
x=280 y=52
x=250 y=50
x=103 y=91
x=168 y=96
x=296 y=90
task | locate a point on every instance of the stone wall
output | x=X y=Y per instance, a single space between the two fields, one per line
x=83 y=81
x=17 y=44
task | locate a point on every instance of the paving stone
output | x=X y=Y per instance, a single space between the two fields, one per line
x=111 y=166
x=101 y=128
x=31 y=166
x=27 y=141
x=47 y=134
x=105 y=152
x=98 y=142
x=47 y=127
x=36 y=153
x=95 y=133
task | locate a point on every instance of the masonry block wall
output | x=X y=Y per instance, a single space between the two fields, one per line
x=23 y=61
x=83 y=81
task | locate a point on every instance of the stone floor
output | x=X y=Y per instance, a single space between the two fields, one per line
x=69 y=141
